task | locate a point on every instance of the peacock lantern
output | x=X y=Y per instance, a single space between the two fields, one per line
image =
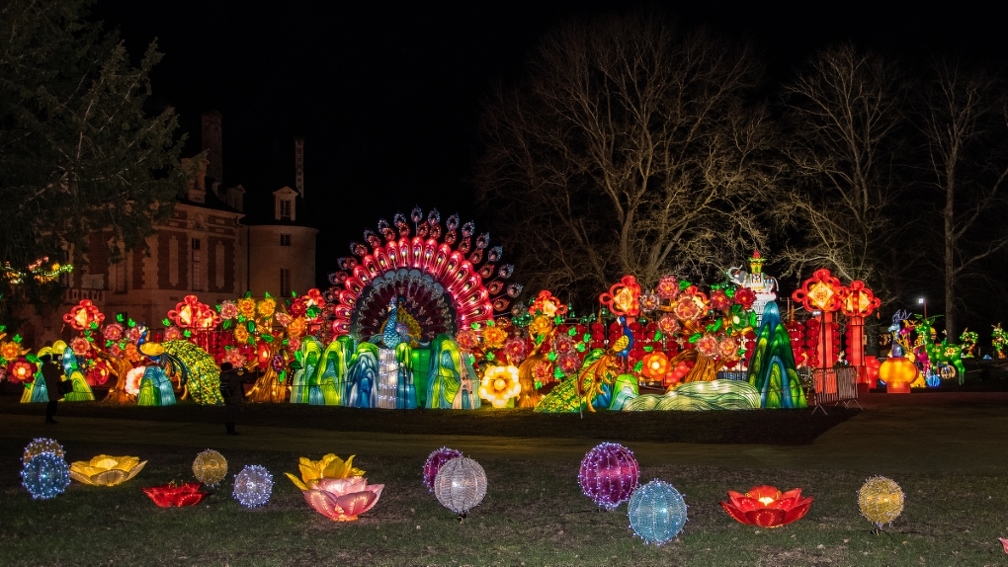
x=402 y=297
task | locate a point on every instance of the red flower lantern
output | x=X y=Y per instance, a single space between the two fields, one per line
x=623 y=298
x=191 y=313
x=168 y=495
x=766 y=507
x=822 y=291
x=548 y=305
x=82 y=315
x=21 y=370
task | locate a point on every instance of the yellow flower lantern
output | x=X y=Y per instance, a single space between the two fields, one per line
x=106 y=470
x=329 y=466
x=898 y=373
x=500 y=384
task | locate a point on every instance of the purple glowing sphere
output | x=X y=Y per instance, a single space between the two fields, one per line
x=434 y=462
x=609 y=474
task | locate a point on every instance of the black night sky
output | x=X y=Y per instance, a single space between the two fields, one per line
x=387 y=97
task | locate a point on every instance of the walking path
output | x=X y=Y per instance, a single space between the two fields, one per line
x=940 y=432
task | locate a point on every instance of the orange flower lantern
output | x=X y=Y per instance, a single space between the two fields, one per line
x=623 y=298
x=656 y=366
x=82 y=315
x=898 y=373
x=767 y=507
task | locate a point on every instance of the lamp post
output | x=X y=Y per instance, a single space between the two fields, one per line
x=922 y=301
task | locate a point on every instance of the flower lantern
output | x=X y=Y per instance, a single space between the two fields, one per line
x=81 y=316
x=657 y=512
x=191 y=313
x=656 y=366
x=460 y=485
x=253 y=486
x=434 y=463
x=343 y=499
x=547 y=304
x=767 y=507
x=329 y=466
x=880 y=500
x=169 y=495
x=21 y=370
x=499 y=385
x=209 y=467
x=106 y=470
x=623 y=298
x=609 y=474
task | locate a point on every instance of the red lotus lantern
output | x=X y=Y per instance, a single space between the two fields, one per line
x=767 y=507
x=168 y=495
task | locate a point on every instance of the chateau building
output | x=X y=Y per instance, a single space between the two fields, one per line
x=210 y=246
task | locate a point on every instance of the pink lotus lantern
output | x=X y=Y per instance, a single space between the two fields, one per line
x=343 y=499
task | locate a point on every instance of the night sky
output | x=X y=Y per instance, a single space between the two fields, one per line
x=387 y=97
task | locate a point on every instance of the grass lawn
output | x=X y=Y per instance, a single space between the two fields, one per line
x=947 y=451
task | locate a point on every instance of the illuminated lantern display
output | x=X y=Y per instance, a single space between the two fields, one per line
x=857 y=302
x=434 y=462
x=460 y=485
x=105 y=470
x=897 y=374
x=452 y=275
x=172 y=495
x=772 y=369
x=657 y=512
x=767 y=507
x=880 y=500
x=329 y=466
x=41 y=445
x=83 y=315
x=656 y=366
x=45 y=475
x=822 y=292
x=209 y=467
x=623 y=298
x=609 y=474
x=21 y=370
x=253 y=486
x=343 y=499
x=762 y=286
x=499 y=385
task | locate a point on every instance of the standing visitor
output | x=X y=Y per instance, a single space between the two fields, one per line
x=233 y=391
x=53 y=376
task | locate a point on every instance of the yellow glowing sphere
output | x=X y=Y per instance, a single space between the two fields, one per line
x=880 y=500
x=210 y=467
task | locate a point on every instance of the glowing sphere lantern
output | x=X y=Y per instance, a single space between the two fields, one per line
x=460 y=485
x=898 y=373
x=253 y=486
x=210 y=467
x=609 y=474
x=434 y=463
x=45 y=475
x=657 y=512
x=880 y=500
x=40 y=445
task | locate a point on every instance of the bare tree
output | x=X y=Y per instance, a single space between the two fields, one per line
x=845 y=116
x=964 y=120
x=628 y=148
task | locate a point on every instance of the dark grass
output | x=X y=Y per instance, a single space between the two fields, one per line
x=773 y=427
x=533 y=514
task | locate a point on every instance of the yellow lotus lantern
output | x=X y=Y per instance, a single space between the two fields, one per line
x=329 y=466
x=106 y=470
x=500 y=384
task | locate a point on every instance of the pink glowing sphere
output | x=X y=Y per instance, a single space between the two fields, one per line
x=609 y=474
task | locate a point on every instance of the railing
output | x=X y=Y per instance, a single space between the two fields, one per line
x=837 y=385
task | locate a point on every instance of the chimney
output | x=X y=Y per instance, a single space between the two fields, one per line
x=299 y=165
x=212 y=144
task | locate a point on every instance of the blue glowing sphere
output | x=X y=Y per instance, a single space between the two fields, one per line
x=253 y=486
x=657 y=512
x=45 y=475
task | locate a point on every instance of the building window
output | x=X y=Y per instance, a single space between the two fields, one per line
x=285 y=240
x=285 y=287
x=197 y=265
x=285 y=209
x=118 y=276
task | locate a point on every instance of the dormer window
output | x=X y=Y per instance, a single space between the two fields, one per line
x=284 y=204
